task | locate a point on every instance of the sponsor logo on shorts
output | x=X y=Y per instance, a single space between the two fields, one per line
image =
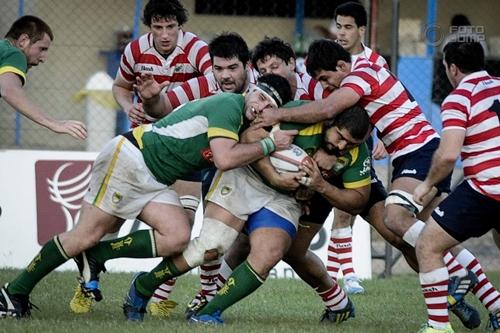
x=225 y=190
x=409 y=172
x=439 y=212
x=117 y=197
x=60 y=188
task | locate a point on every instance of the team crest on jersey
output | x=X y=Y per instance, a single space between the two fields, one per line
x=340 y=165
x=181 y=68
x=366 y=167
x=207 y=155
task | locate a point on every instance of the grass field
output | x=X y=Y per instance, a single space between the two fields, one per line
x=389 y=305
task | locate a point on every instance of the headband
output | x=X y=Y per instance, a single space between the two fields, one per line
x=271 y=92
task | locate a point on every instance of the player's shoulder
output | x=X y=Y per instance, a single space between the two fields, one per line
x=359 y=154
x=227 y=99
x=188 y=38
x=140 y=45
x=7 y=50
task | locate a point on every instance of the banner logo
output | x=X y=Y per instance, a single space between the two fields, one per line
x=60 y=188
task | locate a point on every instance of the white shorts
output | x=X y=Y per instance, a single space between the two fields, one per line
x=121 y=183
x=242 y=192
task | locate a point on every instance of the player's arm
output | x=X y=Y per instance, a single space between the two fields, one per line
x=313 y=112
x=228 y=153
x=11 y=90
x=154 y=102
x=443 y=162
x=351 y=200
x=123 y=92
x=285 y=181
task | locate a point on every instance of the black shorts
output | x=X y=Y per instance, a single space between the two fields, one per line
x=417 y=164
x=207 y=175
x=467 y=213
x=320 y=208
x=195 y=176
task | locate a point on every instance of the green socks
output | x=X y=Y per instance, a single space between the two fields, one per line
x=140 y=244
x=242 y=282
x=146 y=284
x=50 y=257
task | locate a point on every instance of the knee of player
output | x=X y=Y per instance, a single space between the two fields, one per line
x=426 y=244
x=214 y=236
x=271 y=254
x=181 y=240
x=80 y=241
x=393 y=221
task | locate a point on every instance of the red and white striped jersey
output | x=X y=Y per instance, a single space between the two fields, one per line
x=474 y=106
x=189 y=59
x=392 y=109
x=308 y=88
x=371 y=56
x=202 y=86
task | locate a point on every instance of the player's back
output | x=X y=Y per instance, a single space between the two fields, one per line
x=475 y=106
x=179 y=143
x=392 y=109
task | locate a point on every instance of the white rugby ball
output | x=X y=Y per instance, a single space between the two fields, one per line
x=288 y=160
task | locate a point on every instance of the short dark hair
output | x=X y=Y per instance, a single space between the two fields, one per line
x=164 y=9
x=269 y=47
x=355 y=119
x=353 y=9
x=323 y=54
x=228 y=45
x=30 y=25
x=467 y=56
x=459 y=20
x=280 y=84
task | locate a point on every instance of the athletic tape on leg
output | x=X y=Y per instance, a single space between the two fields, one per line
x=190 y=202
x=214 y=234
x=404 y=199
x=411 y=235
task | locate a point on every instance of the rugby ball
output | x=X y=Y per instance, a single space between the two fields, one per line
x=288 y=160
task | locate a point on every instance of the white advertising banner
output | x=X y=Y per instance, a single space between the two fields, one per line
x=41 y=193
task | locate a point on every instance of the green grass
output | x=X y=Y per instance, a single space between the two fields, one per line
x=389 y=305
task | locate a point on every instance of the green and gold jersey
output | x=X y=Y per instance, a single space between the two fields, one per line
x=178 y=144
x=12 y=60
x=352 y=170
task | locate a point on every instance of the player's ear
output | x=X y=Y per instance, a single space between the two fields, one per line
x=23 y=41
x=291 y=63
x=453 y=69
x=341 y=66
